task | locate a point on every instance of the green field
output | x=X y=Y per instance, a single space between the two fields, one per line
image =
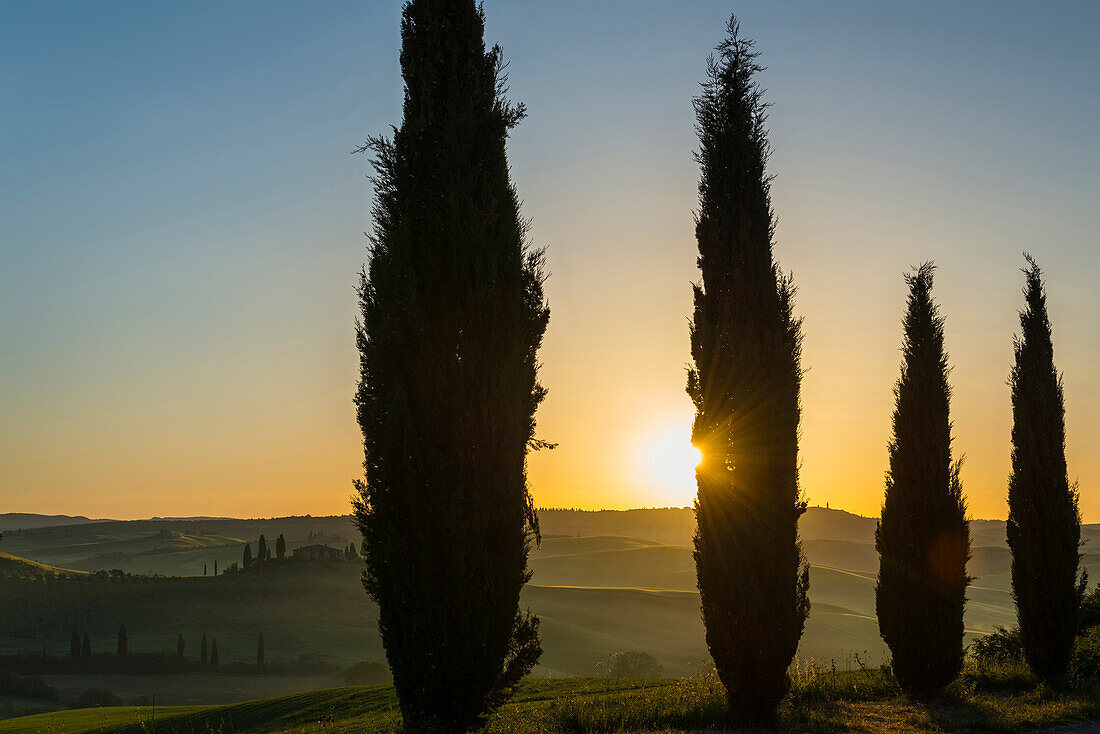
x=821 y=702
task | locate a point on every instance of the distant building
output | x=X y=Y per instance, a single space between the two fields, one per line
x=317 y=553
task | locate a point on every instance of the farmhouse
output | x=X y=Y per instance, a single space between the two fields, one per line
x=317 y=553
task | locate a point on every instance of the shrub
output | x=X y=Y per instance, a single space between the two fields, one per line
x=1000 y=645
x=26 y=687
x=630 y=664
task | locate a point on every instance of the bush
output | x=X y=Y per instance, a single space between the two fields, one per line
x=367 y=673
x=633 y=665
x=1000 y=645
x=1090 y=611
x=94 y=697
x=1084 y=664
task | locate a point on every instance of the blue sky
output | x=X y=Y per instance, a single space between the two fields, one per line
x=181 y=227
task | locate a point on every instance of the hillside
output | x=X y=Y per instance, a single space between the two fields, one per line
x=14 y=567
x=602 y=582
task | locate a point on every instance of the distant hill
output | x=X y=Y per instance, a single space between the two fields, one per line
x=27 y=521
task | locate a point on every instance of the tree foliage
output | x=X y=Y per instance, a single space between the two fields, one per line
x=452 y=314
x=923 y=538
x=1044 y=523
x=746 y=346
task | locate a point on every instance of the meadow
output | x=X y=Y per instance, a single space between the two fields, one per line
x=823 y=700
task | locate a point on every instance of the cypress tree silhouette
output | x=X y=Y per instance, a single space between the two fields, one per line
x=203 y=655
x=746 y=346
x=123 y=642
x=453 y=313
x=215 y=568
x=74 y=645
x=247 y=560
x=923 y=538
x=260 y=650
x=1044 y=523
x=261 y=550
x=179 y=647
x=280 y=548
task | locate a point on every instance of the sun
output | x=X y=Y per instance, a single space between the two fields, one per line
x=668 y=464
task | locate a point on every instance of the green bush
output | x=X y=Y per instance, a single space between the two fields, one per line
x=1084 y=664
x=1000 y=645
x=631 y=664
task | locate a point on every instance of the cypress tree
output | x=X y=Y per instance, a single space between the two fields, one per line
x=204 y=569
x=923 y=538
x=203 y=659
x=746 y=346
x=86 y=648
x=262 y=548
x=123 y=642
x=1044 y=523
x=280 y=548
x=260 y=650
x=215 y=568
x=247 y=560
x=179 y=647
x=74 y=645
x=214 y=653
x=452 y=314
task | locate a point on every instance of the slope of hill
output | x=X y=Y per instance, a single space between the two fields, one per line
x=14 y=567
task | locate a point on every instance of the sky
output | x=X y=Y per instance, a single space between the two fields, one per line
x=181 y=228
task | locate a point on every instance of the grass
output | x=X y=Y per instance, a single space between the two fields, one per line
x=823 y=700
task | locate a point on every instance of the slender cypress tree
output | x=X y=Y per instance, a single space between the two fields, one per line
x=123 y=641
x=923 y=538
x=746 y=345
x=261 y=550
x=179 y=647
x=247 y=560
x=215 y=568
x=452 y=316
x=280 y=548
x=1044 y=523
x=203 y=655
x=74 y=645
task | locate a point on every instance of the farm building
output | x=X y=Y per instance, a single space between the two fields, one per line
x=317 y=553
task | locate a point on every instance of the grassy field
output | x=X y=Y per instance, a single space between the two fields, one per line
x=822 y=701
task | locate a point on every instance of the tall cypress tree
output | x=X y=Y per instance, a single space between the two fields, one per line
x=746 y=345
x=280 y=547
x=923 y=538
x=452 y=316
x=246 y=561
x=1044 y=523
x=179 y=647
x=261 y=549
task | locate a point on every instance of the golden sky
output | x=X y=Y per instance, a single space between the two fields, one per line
x=177 y=279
